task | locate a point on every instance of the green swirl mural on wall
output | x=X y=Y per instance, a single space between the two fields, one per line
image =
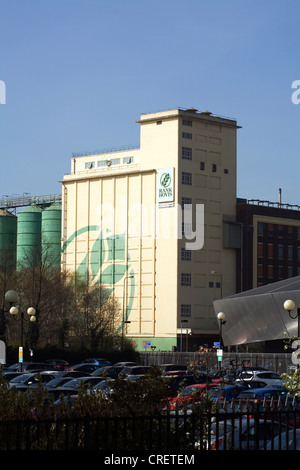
x=105 y=264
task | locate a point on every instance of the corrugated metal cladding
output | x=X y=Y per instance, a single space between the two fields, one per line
x=31 y=232
x=8 y=239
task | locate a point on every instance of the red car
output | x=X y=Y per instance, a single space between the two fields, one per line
x=189 y=394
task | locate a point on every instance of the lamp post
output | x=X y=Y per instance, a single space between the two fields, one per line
x=221 y=318
x=32 y=318
x=123 y=316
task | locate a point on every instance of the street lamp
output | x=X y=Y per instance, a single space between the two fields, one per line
x=123 y=317
x=221 y=318
x=32 y=318
x=289 y=305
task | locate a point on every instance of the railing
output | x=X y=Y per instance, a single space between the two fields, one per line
x=189 y=430
x=13 y=202
x=277 y=362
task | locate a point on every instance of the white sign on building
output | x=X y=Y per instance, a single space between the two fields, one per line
x=165 y=185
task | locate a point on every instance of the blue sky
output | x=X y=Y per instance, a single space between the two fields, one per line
x=79 y=73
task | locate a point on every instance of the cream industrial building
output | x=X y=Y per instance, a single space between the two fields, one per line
x=155 y=225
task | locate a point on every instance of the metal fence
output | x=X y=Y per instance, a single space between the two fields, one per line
x=278 y=362
x=233 y=426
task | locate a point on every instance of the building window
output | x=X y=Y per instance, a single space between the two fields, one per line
x=260 y=229
x=102 y=163
x=280 y=252
x=128 y=160
x=186 y=310
x=270 y=250
x=186 y=178
x=186 y=153
x=290 y=271
x=187 y=122
x=186 y=201
x=89 y=165
x=158 y=122
x=186 y=229
x=186 y=255
x=115 y=161
x=202 y=166
x=290 y=252
x=186 y=279
x=187 y=135
x=214 y=167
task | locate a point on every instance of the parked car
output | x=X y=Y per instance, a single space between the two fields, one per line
x=98 y=361
x=175 y=382
x=108 y=371
x=226 y=392
x=190 y=394
x=86 y=381
x=264 y=393
x=134 y=370
x=33 y=378
x=172 y=367
x=84 y=367
x=287 y=440
x=267 y=377
x=245 y=434
x=57 y=364
x=28 y=366
x=57 y=382
x=125 y=364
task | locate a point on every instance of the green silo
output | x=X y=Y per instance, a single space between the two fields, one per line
x=51 y=234
x=29 y=235
x=8 y=240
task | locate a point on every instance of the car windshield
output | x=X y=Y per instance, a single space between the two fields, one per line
x=58 y=381
x=21 y=378
x=188 y=391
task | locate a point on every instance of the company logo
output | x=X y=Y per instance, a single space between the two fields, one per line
x=165 y=186
x=296 y=94
x=2 y=92
x=105 y=264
